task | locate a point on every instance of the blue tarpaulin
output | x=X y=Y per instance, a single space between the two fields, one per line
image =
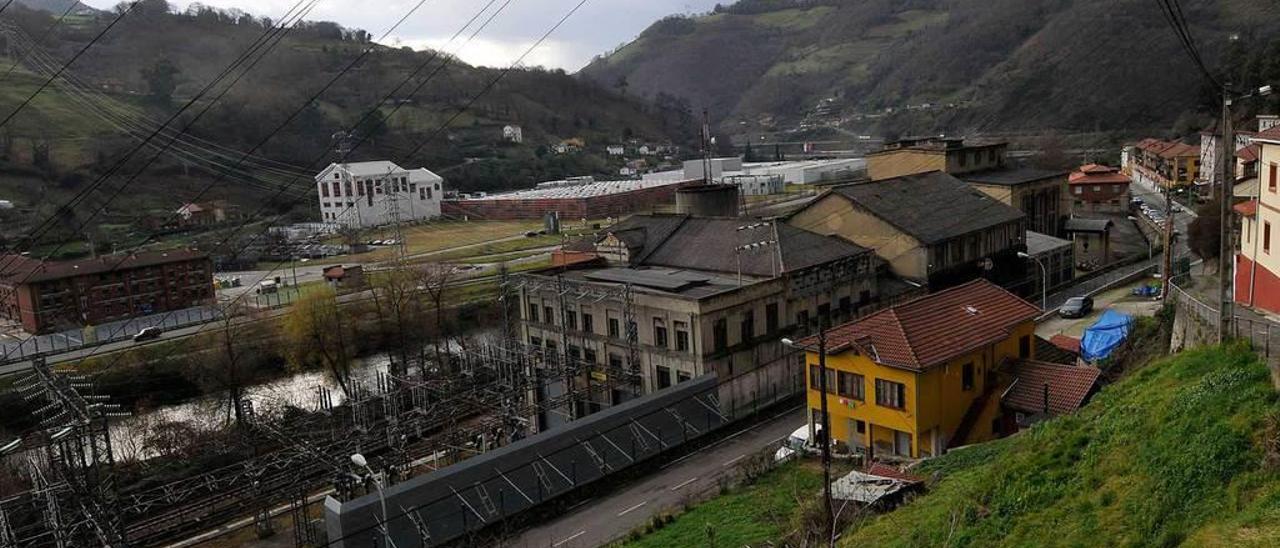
x=1105 y=336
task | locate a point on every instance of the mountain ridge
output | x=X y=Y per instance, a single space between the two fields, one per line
x=932 y=65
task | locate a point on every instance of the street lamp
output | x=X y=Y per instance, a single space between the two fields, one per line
x=826 y=420
x=1044 y=280
x=359 y=460
x=1149 y=246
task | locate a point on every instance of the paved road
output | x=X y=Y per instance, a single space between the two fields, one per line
x=598 y=521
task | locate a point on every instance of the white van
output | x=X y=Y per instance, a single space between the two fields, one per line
x=796 y=443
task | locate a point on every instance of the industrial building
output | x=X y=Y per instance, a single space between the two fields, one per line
x=577 y=198
x=668 y=298
x=51 y=295
x=369 y=194
x=930 y=227
x=759 y=178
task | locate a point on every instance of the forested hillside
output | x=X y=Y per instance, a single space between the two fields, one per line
x=155 y=60
x=953 y=65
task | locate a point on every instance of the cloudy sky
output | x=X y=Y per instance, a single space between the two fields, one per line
x=600 y=25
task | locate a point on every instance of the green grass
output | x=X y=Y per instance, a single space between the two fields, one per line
x=1170 y=454
x=794 y=19
x=748 y=516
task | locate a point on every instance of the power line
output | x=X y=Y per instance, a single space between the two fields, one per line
x=368 y=114
x=73 y=59
x=43 y=35
x=1172 y=11
x=396 y=108
x=271 y=36
x=6 y=6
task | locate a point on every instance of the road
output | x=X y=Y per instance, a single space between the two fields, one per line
x=597 y=521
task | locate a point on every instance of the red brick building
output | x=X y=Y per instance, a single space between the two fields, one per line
x=1096 y=187
x=48 y=296
x=589 y=201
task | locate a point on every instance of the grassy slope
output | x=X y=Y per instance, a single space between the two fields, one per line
x=1169 y=455
x=747 y=516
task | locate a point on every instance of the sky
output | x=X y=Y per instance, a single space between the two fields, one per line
x=597 y=27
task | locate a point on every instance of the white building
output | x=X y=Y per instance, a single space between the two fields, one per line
x=756 y=185
x=368 y=194
x=513 y=134
x=616 y=150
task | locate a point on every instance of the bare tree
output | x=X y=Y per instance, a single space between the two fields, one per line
x=400 y=312
x=234 y=352
x=434 y=279
x=315 y=334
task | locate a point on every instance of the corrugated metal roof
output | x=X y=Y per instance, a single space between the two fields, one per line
x=932 y=207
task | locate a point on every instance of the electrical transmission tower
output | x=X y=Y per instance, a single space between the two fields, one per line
x=81 y=498
x=394 y=186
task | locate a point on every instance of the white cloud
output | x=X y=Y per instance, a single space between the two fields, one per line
x=597 y=27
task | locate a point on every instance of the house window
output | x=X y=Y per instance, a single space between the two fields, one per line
x=901 y=443
x=588 y=323
x=549 y=315
x=802 y=319
x=1266 y=237
x=615 y=361
x=533 y=312
x=589 y=356
x=663 y=377
x=682 y=376
x=846 y=306
x=429 y=194
x=720 y=334
x=891 y=394
x=682 y=336
x=347 y=187
x=1024 y=347
x=659 y=333
x=966 y=377
x=1271 y=178
x=324 y=190
x=337 y=190
x=570 y=318
x=614 y=331
x=422 y=193
x=815 y=382
x=1079 y=190
x=851 y=385
x=747 y=329
x=771 y=317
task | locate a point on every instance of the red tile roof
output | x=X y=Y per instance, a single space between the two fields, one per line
x=932 y=329
x=1249 y=153
x=885 y=471
x=1096 y=174
x=1070 y=344
x=1270 y=134
x=1069 y=386
x=1247 y=208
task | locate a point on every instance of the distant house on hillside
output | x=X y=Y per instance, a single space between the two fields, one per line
x=203 y=213
x=616 y=150
x=513 y=134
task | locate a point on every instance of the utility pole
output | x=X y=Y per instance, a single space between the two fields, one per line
x=1167 y=267
x=1226 y=247
x=706 y=147
x=825 y=438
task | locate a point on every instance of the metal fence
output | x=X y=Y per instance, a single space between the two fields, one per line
x=1245 y=324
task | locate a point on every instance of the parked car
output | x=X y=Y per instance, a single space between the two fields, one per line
x=1176 y=208
x=1076 y=307
x=795 y=444
x=148 y=333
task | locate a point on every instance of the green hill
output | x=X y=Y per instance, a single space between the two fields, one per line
x=1183 y=451
x=155 y=60
x=922 y=65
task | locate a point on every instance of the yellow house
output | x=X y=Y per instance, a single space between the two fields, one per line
x=917 y=378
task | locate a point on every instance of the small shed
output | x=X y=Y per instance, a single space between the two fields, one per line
x=344 y=278
x=1092 y=238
